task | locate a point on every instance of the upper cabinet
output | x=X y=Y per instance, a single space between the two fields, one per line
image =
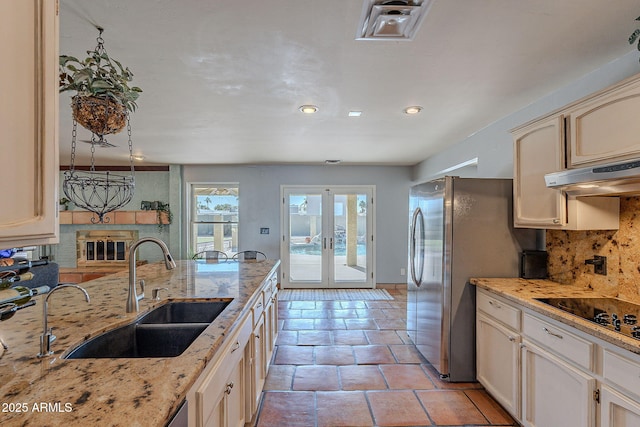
x=538 y=150
x=606 y=127
x=29 y=122
x=598 y=129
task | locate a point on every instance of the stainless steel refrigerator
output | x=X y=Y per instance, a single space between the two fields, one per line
x=459 y=228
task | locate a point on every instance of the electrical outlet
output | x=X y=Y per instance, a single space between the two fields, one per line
x=403 y=271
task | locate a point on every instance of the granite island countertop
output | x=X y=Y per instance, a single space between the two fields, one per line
x=524 y=291
x=141 y=392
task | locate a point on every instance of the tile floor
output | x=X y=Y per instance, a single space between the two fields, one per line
x=351 y=363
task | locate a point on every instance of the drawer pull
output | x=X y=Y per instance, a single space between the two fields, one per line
x=495 y=304
x=257 y=336
x=552 y=333
x=259 y=305
x=229 y=387
x=235 y=347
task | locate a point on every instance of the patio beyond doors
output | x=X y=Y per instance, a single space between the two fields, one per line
x=327 y=237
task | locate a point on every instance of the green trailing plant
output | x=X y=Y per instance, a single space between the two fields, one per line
x=635 y=36
x=100 y=76
x=163 y=207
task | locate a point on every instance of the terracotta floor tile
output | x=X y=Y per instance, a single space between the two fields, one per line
x=383 y=337
x=343 y=409
x=291 y=409
x=391 y=323
x=315 y=377
x=279 y=377
x=395 y=313
x=378 y=304
x=361 y=377
x=293 y=355
x=343 y=313
x=406 y=353
x=364 y=324
x=373 y=354
x=349 y=337
x=406 y=377
x=314 y=337
x=450 y=407
x=287 y=338
x=491 y=409
x=314 y=314
x=298 y=324
x=397 y=408
x=329 y=305
x=372 y=313
x=335 y=355
x=404 y=336
x=352 y=304
x=329 y=324
x=302 y=305
x=289 y=314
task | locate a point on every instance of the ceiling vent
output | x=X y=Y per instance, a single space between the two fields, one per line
x=391 y=19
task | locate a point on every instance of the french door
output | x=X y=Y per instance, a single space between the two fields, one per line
x=327 y=238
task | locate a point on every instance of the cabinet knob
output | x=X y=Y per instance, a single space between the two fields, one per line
x=512 y=339
x=236 y=346
x=556 y=221
x=228 y=388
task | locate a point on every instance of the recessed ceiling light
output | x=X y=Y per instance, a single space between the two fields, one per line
x=355 y=113
x=308 y=109
x=414 y=109
x=332 y=162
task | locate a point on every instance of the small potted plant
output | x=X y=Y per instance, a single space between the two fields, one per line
x=103 y=92
x=63 y=204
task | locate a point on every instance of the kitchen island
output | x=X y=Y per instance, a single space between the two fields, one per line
x=142 y=392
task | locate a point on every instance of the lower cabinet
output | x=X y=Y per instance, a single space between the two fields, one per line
x=548 y=374
x=554 y=393
x=498 y=362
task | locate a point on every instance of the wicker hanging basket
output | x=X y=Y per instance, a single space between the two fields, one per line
x=100 y=115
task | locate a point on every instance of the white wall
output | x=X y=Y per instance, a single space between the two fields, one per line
x=493 y=145
x=259 y=204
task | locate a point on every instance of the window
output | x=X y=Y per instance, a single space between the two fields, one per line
x=214 y=218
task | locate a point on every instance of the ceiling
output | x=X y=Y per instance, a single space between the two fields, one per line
x=223 y=79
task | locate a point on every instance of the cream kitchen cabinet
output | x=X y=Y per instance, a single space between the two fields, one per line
x=605 y=127
x=258 y=362
x=29 y=122
x=271 y=318
x=498 y=350
x=617 y=409
x=554 y=392
x=219 y=394
x=538 y=150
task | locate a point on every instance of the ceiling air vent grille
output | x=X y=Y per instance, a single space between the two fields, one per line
x=391 y=19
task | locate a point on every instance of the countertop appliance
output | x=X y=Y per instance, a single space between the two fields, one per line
x=610 y=313
x=459 y=228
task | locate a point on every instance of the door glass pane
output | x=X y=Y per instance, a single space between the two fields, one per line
x=349 y=237
x=305 y=237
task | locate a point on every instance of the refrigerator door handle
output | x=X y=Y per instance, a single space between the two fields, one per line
x=417 y=216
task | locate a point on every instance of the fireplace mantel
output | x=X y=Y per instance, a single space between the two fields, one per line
x=113 y=218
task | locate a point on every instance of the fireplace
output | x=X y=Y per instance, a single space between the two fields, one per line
x=104 y=247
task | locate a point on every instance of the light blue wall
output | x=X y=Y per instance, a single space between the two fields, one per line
x=259 y=204
x=493 y=145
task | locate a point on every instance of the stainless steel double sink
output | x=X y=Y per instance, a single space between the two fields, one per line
x=166 y=331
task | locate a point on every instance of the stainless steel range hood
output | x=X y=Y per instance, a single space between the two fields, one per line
x=603 y=180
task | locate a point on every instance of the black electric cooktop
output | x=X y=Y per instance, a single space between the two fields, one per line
x=611 y=313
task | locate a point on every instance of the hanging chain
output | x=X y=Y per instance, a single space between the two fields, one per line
x=74 y=134
x=100 y=47
x=130 y=143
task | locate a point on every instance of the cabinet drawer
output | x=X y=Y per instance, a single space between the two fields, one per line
x=621 y=371
x=560 y=341
x=499 y=310
x=258 y=308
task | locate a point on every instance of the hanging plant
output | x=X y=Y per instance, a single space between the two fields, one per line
x=635 y=36
x=103 y=92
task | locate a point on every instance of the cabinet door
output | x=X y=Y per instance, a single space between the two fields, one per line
x=606 y=128
x=271 y=326
x=618 y=410
x=554 y=392
x=234 y=397
x=29 y=122
x=259 y=366
x=538 y=150
x=498 y=362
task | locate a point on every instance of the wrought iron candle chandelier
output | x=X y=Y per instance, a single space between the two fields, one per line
x=102 y=105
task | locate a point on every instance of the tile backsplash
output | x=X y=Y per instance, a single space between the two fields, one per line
x=568 y=251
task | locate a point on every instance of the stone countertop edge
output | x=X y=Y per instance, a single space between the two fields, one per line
x=141 y=392
x=523 y=292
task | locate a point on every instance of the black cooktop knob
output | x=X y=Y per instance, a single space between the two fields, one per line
x=630 y=319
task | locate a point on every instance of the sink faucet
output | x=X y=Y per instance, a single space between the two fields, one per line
x=47 y=336
x=133 y=297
